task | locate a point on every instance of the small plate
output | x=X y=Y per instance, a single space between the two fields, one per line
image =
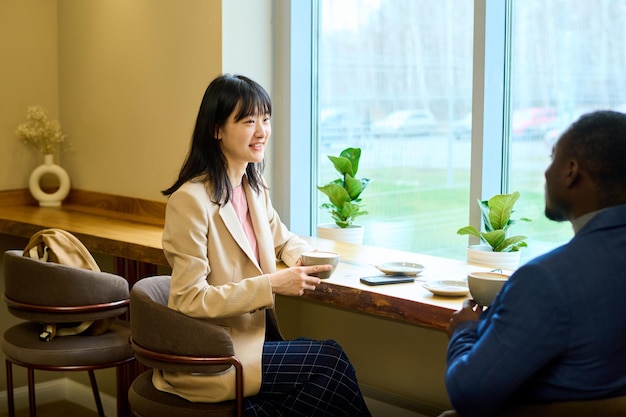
x=447 y=287
x=400 y=268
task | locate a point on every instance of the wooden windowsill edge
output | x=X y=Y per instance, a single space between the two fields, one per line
x=132 y=228
x=96 y=203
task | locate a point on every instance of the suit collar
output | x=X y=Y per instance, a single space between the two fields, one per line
x=614 y=216
x=260 y=222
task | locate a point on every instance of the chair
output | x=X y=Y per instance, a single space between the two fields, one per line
x=166 y=339
x=606 y=407
x=45 y=292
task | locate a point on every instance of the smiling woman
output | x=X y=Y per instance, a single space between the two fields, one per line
x=222 y=238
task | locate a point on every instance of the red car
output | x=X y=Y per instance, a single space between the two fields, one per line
x=532 y=122
x=563 y=121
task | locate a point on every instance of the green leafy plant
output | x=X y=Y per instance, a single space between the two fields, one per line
x=344 y=193
x=496 y=220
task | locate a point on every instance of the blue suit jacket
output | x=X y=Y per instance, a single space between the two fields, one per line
x=556 y=332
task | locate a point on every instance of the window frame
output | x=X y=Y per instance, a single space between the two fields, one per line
x=295 y=195
x=490 y=150
x=293 y=150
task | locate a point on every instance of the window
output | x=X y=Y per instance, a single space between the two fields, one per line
x=567 y=59
x=395 y=77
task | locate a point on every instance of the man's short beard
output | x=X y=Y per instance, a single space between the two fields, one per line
x=555 y=215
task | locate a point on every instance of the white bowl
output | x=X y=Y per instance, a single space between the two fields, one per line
x=484 y=286
x=400 y=268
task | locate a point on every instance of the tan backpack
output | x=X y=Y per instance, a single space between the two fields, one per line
x=62 y=247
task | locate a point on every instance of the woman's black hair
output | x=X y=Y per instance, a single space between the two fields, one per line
x=205 y=160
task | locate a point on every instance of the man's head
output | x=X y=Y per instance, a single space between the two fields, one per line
x=588 y=170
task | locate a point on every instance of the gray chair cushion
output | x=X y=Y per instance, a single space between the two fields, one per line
x=160 y=328
x=21 y=344
x=148 y=401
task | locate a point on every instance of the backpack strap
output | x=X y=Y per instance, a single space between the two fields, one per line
x=52 y=330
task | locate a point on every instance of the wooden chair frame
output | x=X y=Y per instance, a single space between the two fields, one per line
x=31 y=367
x=141 y=351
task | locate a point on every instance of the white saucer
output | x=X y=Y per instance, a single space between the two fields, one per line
x=400 y=268
x=447 y=287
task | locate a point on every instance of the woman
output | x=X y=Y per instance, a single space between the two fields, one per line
x=222 y=238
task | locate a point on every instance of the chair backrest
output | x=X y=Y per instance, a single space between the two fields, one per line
x=33 y=288
x=605 y=407
x=158 y=328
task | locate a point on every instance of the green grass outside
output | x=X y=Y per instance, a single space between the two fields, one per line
x=420 y=210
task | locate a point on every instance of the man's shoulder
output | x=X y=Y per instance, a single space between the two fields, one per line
x=554 y=266
x=609 y=217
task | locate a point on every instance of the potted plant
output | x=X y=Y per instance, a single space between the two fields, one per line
x=498 y=250
x=344 y=198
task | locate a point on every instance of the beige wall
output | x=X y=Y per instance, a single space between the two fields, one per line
x=125 y=78
x=132 y=74
x=28 y=75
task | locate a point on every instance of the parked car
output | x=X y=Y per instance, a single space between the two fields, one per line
x=532 y=122
x=410 y=122
x=462 y=128
x=564 y=119
x=337 y=123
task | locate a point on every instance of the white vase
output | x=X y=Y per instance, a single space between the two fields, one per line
x=351 y=234
x=482 y=255
x=49 y=168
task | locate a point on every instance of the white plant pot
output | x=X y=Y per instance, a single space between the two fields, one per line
x=482 y=255
x=351 y=234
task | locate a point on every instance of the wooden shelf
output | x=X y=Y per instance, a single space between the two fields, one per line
x=131 y=230
x=113 y=225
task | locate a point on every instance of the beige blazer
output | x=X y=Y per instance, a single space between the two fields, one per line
x=216 y=276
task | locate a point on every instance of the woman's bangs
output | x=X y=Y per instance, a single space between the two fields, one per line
x=253 y=103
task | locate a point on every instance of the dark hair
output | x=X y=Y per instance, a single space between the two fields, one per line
x=205 y=160
x=597 y=141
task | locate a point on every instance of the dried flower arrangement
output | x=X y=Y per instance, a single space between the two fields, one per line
x=39 y=131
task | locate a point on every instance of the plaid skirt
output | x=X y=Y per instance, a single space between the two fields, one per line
x=307 y=378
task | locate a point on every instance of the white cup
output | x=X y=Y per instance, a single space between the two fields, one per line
x=321 y=258
x=484 y=286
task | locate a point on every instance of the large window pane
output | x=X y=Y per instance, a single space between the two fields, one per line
x=395 y=78
x=568 y=58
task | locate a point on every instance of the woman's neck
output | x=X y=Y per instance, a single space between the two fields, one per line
x=235 y=177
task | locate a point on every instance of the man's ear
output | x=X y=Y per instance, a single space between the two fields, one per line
x=572 y=176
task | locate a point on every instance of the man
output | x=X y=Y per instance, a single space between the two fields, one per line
x=556 y=333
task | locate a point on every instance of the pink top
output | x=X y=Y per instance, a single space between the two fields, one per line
x=240 y=204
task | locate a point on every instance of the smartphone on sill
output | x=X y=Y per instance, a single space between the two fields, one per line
x=387 y=279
